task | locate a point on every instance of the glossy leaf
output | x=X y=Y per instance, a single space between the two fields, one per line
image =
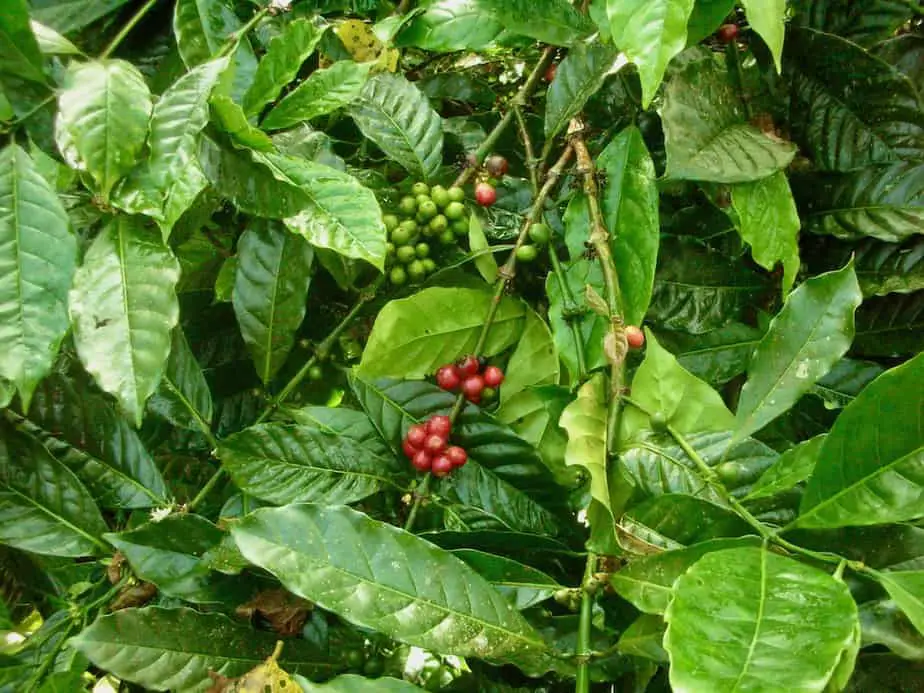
x=707 y=135
x=706 y=17
x=43 y=507
x=19 y=51
x=480 y=247
x=579 y=76
x=883 y=623
x=343 y=423
x=397 y=117
x=784 y=624
x=907 y=590
x=284 y=57
x=845 y=381
x=68 y=16
x=906 y=53
x=793 y=467
x=592 y=327
x=412 y=337
x=883 y=202
x=862 y=21
x=768 y=19
x=183 y=398
x=123 y=308
x=270 y=293
x=50 y=42
x=176 y=649
x=673 y=520
x=521 y=584
x=651 y=33
x=323 y=92
x=869 y=469
x=884 y=268
x=643 y=638
x=38 y=256
x=630 y=209
x=104 y=107
x=768 y=221
x=809 y=335
x=890 y=326
x=848 y=119
x=284 y=463
x=450 y=25
x=374 y=575
x=561 y=23
x=83 y=430
x=231 y=119
x=533 y=362
x=661 y=385
x=716 y=356
x=353 y=683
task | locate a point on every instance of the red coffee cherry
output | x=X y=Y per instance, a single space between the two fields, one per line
x=472 y=387
x=467 y=366
x=635 y=337
x=435 y=444
x=416 y=435
x=493 y=376
x=422 y=461
x=550 y=72
x=727 y=33
x=448 y=378
x=439 y=425
x=409 y=450
x=497 y=166
x=485 y=195
x=441 y=466
x=457 y=456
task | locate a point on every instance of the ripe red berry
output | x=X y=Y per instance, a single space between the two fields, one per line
x=435 y=444
x=635 y=337
x=439 y=425
x=416 y=435
x=497 y=166
x=727 y=33
x=485 y=194
x=422 y=461
x=468 y=366
x=457 y=456
x=441 y=466
x=409 y=450
x=493 y=376
x=448 y=378
x=550 y=72
x=472 y=387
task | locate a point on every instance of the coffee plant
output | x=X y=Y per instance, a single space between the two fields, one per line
x=462 y=345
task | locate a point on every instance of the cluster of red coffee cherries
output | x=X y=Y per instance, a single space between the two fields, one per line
x=472 y=378
x=427 y=447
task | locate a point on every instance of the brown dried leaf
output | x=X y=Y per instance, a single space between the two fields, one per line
x=596 y=302
x=134 y=595
x=285 y=612
x=114 y=570
x=268 y=677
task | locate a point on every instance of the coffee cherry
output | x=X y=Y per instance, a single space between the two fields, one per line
x=441 y=466
x=497 y=165
x=454 y=211
x=428 y=209
x=460 y=228
x=390 y=249
x=456 y=455
x=390 y=221
x=540 y=234
x=485 y=194
x=658 y=422
x=422 y=461
x=408 y=205
x=434 y=444
x=456 y=194
x=468 y=365
x=409 y=450
x=727 y=33
x=440 y=196
x=355 y=658
x=417 y=435
x=315 y=373
x=635 y=337
x=525 y=253
x=447 y=378
x=420 y=189
x=488 y=395
x=447 y=237
x=493 y=376
x=401 y=235
x=429 y=265
x=406 y=254
x=397 y=276
x=439 y=425
x=473 y=386
x=550 y=72
x=416 y=270
x=439 y=223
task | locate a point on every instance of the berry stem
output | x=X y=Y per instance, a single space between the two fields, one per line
x=532 y=163
x=419 y=494
x=125 y=30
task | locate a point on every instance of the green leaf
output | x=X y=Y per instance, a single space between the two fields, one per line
x=183 y=398
x=19 y=51
x=782 y=625
x=906 y=53
x=338 y=213
x=104 y=108
x=412 y=337
x=808 y=336
x=50 y=42
x=38 y=256
x=847 y=119
x=768 y=19
x=284 y=463
x=890 y=326
x=549 y=21
x=84 y=431
x=281 y=64
x=883 y=623
x=478 y=242
x=660 y=385
x=397 y=117
x=768 y=221
x=673 y=520
x=323 y=92
x=869 y=468
x=592 y=327
x=651 y=33
x=533 y=362
x=353 y=683
x=906 y=588
x=793 y=467
x=885 y=268
x=716 y=356
x=864 y=22
x=43 y=507
x=270 y=292
x=630 y=208
x=706 y=17
x=231 y=119
x=344 y=423
x=176 y=649
x=67 y=16
x=647 y=582
x=579 y=76
x=523 y=585
x=374 y=575
x=883 y=202
x=844 y=382
x=123 y=307
x=450 y=25
x=706 y=131
x=643 y=638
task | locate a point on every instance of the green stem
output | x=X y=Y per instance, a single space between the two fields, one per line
x=206 y=490
x=131 y=24
x=197 y=417
x=584 y=652
x=419 y=494
x=734 y=57
x=532 y=164
x=569 y=306
x=235 y=38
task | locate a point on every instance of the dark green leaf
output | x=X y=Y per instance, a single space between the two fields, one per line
x=793 y=467
x=123 y=308
x=869 y=470
x=450 y=25
x=230 y=118
x=883 y=623
x=183 y=398
x=533 y=362
x=396 y=116
x=592 y=327
x=845 y=381
x=707 y=135
x=768 y=20
x=376 y=576
x=643 y=638
x=706 y=17
x=862 y=21
x=43 y=507
x=344 y=423
x=906 y=53
x=869 y=114
x=270 y=292
x=890 y=326
x=779 y=621
x=38 y=256
x=579 y=76
x=323 y=92
x=550 y=21
x=521 y=584
x=907 y=590
x=67 y=16
x=716 y=356
x=284 y=463
x=19 y=51
x=176 y=649
x=673 y=520
x=884 y=268
x=352 y=683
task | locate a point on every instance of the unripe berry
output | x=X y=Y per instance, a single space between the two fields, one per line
x=497 y=166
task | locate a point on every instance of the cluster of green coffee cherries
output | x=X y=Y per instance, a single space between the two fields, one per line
x=426 y=218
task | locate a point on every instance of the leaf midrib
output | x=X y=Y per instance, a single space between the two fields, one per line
x=758 y=621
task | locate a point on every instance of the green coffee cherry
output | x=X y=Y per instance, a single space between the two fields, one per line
x=420 y=189
x=525 y=253
x=397 y=276
x=456 y=194
x=439 y=223
x=540 y=234
x=440 y=195
x=429 y=265
x=400 y=236
x=447 y=237
x=423 y=250
x=390 y=221
x=416 y=271
x=455 y=211
x=428 y=209
x=406 y=254
x=408 y=206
